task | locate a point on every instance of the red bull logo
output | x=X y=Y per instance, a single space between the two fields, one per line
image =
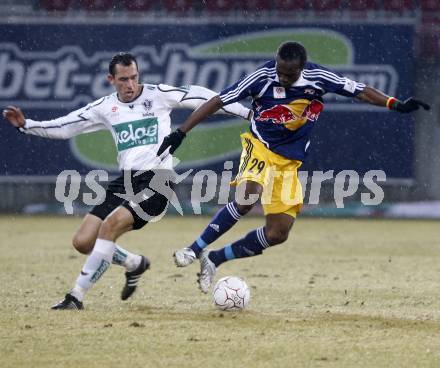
x=279 y=114
x=312 y=111
x=294 y=115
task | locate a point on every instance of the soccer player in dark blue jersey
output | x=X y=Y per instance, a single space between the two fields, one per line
x=286 y=101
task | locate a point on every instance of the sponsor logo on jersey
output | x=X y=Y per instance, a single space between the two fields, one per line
x=279 y=92
x=136 y=133
x=293 y=115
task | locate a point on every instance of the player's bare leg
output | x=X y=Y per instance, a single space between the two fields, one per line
x=252 y=190
x=118 y=222
x=278 y=227
x=85 y=238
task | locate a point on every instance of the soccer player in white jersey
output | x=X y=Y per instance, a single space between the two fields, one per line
x=138 y=116
x=287 y=99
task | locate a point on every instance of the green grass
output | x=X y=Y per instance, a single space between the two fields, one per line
x=339 y=293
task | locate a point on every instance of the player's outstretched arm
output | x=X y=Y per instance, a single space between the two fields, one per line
x=378 y=98
x=198 y=95
x=81 y=121
x=14 y=116
x=174 y=140
x=207 y=109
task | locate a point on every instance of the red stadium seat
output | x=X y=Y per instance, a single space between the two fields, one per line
x=257 y=5
x=398 y=5
x=220 y=5
x=55 y=5
x=179 y=6
x=363 y=5
x=430 y=5
x=325 y=5
x=138 y=5
x=98 y=5
x=290 y=5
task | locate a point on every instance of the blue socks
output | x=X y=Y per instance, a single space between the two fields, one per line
x=221 y=223
x=251 y=245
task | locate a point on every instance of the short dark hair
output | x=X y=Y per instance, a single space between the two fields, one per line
x=123 y=58
x=292 y=50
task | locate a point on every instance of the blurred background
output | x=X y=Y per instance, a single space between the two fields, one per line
x=54 y=56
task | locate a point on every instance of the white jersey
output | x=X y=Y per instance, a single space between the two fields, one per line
x=138 y=127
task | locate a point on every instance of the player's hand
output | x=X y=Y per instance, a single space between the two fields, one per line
x=14 y=116
x=173 y=141
x=409 y=105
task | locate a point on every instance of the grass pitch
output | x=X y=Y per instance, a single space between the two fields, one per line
x=339 y=293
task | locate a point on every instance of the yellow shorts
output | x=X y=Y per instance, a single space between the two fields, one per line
x=282 y=190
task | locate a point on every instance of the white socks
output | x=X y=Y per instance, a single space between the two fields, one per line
x=123 y=257
x=96 y=264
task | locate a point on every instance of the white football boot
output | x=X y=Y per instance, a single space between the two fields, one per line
x=207 y=272
x=184 y=257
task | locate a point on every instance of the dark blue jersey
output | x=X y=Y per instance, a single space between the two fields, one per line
x=284 y=117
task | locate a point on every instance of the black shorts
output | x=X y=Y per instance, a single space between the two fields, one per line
x=152 y=204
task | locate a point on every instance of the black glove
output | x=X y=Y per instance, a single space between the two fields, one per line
x=173 y=140
x=409 y=105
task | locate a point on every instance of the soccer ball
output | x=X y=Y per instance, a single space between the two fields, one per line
x=231 y=293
